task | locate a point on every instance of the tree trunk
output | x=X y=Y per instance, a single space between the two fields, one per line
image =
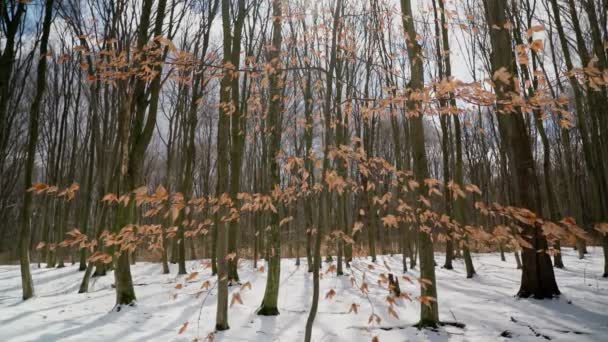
x=324 y=203
x=538 y=279
x=223 y=131
x=24 y=236
x=238 y=131
x=429 y=314
x=269 y=305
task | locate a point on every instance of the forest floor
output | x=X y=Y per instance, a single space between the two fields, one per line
x=485 y=304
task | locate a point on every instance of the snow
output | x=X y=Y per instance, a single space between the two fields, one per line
x=485 y=304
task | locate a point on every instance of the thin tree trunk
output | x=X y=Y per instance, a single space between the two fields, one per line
x=324 y=203
x=429 y=312
x=269 y=305
x=24 y=236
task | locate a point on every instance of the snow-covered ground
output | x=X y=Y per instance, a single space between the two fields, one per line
x=485 y=304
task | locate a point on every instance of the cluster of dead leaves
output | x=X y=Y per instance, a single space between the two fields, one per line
x=68 y=193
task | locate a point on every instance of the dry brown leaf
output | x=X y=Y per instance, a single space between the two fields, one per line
x=183 y=328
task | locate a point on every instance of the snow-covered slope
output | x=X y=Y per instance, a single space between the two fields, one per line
x=485 y=304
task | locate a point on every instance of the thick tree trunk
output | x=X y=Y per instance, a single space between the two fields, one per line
x=538 y=279
x=532 y=82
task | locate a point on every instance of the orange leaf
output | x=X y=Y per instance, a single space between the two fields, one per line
x=110 y=197
x=192 y=276
x=502 y=75
x=392 y=312
x=236 y=298
x=427 y=300
x=183 y=328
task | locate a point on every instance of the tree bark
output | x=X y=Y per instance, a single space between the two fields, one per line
x=538 y=279
x=324 y=203
x=269 y=305
x=24 y=236
x=429 y=314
